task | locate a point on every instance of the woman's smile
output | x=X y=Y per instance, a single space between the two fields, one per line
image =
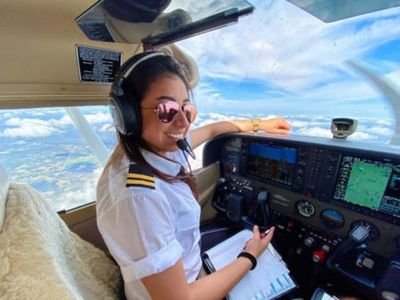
x=161 y=136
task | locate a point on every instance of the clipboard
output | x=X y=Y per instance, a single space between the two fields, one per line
x=269 y=280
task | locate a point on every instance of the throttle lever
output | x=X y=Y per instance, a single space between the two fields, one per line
x=356 y=237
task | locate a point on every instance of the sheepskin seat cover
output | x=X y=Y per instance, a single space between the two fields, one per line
x=40 y=258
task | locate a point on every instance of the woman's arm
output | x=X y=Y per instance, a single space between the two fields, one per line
x=172 y=285
x=275 y=125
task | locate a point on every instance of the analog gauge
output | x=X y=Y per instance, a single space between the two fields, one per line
x=332 y=219
x=373 y=230
x=305 y=208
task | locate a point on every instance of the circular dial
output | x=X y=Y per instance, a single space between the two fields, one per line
x=373 y=230
x=305 y=208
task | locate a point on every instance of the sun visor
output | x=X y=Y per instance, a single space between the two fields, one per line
x=157 y=23
x=135 y=11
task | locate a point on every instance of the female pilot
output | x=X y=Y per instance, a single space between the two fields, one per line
x=146 y=209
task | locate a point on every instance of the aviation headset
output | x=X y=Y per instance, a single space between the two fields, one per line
x=126 y=112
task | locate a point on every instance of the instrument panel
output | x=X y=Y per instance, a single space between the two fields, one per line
x=328 y=186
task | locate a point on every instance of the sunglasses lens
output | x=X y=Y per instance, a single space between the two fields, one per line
x=190 y=112
x=167 y=111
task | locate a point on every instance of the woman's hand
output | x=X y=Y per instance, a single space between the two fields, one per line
x=275 y=125
x=259 y=242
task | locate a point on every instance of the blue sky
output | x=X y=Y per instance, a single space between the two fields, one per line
x=287 y=62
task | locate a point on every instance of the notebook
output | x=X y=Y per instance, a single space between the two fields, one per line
x=269 y=280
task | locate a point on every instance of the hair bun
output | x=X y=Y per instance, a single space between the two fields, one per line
x=187 y=61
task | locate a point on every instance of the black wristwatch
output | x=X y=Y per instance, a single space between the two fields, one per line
x=251 y=257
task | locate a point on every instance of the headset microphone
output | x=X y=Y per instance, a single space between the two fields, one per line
x=184 y=146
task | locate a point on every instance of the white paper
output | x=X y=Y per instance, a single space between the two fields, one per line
x=269 y=279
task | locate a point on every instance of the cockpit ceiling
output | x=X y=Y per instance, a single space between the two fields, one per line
x=38 y=54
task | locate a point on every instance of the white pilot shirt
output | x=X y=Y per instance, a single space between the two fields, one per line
x=148 y=229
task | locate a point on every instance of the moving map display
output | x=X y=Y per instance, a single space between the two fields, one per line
x=371 y=184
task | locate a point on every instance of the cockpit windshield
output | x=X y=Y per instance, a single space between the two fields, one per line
x=282 y=60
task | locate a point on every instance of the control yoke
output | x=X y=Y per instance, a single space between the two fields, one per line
x=241 y=204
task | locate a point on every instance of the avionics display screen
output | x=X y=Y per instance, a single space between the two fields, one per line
x=274 y=163
x=371 y=184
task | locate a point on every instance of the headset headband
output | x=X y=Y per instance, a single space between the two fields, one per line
x=140 y=60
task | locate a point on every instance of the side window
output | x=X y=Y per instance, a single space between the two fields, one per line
x=43 y=148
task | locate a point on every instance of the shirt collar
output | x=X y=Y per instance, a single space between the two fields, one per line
x=166 y=166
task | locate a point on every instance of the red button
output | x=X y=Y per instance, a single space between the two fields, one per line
x=319 y=256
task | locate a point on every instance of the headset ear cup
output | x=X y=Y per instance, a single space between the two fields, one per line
x=116 y=114
x=125 y=109
x=125 y=114
x=135 y=119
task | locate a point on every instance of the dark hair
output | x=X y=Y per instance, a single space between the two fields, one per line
x=135 y=87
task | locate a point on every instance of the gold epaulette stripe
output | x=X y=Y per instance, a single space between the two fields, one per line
x=140 y=183
x=140 y=176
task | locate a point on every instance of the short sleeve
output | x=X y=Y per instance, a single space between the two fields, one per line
x=140 y=233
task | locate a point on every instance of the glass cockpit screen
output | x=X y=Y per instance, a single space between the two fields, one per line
x=276 y=164
x=371 y=184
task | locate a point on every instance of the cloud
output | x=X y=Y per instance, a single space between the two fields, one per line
x=362 y=136
x=294 y=53
x=315 y=131
x=109 y=127
x=6 y=115
x=29 y=128
x=36 y=127
x=283 y=44
x=74 y=196
x=100 y=117
x=379 y=130
x=27 y=131
x=384 y=122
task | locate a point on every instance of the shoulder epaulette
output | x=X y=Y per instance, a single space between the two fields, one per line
x=140 y=175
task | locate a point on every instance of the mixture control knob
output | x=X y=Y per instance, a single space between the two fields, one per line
x=309 y=242
x=319 y=256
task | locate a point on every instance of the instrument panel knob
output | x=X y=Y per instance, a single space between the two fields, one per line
x=319 y=256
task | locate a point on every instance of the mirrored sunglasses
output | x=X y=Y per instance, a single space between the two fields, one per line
x=168 y=110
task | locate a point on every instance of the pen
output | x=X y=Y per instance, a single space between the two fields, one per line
x=263 y=234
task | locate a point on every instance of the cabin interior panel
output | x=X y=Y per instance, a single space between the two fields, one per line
x=315 y=192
